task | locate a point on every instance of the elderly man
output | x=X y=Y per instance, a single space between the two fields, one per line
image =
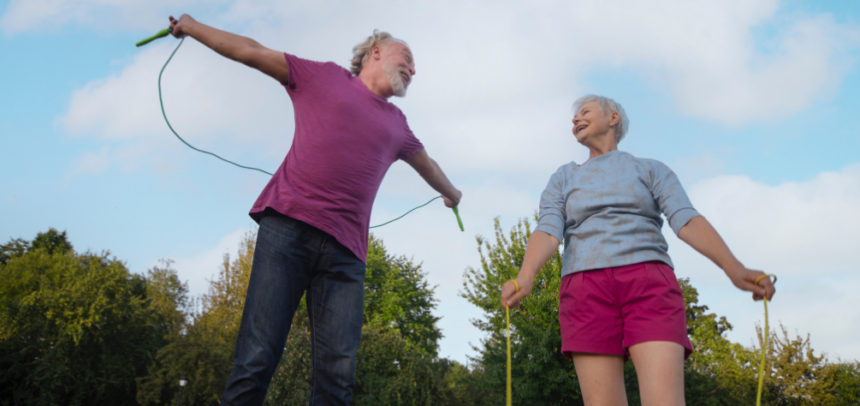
x=314 y=213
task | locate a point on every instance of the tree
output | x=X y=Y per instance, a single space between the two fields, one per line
x=13 y=249
x=74 y=328
x=52 y=241
x=203 y=349
x=397 y=295
x=541 y=374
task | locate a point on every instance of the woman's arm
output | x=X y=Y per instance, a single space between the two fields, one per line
x=539 y=250
x=433 y=175
x=240 y=49
x=700 y=235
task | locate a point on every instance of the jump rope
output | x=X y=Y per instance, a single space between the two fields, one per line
x=165 y=32
x=508 y=384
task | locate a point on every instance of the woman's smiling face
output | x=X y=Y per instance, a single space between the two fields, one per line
x=591 y=122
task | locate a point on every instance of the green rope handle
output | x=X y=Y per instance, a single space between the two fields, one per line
x=165 y=32
x=161 y=34
x=459 y=222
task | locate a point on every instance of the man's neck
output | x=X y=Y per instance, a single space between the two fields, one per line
x=377 y=84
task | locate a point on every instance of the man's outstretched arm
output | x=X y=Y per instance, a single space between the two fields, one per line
x=240 y=49
x=433 y=175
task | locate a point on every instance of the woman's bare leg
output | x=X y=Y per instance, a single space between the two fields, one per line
x=601 y=378
x=660 y=367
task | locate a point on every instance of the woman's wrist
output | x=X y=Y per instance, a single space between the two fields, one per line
x=735 y=269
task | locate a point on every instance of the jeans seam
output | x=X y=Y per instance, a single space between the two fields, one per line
x=314 y=352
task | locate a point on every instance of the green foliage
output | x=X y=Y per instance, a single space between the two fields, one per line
x=397 y=295
x=80 y=329
x=847 y=377
x=541 y=374
x=51 y=241
x=388 y=373
x=203 y=349
x=291 y=384
x=76 y=329
x=798 y=376
x=13 y=249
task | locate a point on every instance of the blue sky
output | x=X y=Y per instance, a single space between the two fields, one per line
x=753 y=105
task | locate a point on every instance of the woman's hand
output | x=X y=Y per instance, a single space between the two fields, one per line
x=540 y=248
x=702 y=236
x=511 y=297
x=745 y=279
x=180 y=26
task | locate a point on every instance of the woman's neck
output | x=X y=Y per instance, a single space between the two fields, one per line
x=602 y=145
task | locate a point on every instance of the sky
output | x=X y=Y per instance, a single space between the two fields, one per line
x=753 y=104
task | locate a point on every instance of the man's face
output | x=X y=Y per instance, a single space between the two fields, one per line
x=398 y=66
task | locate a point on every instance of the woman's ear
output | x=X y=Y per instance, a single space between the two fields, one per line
x=614 y=119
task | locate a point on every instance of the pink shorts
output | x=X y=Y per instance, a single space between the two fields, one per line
x=606 y=311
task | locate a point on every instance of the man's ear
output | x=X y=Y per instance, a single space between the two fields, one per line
x=376 y=53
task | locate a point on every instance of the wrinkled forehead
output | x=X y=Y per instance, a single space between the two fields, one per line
x=592 y=104
x=398 y=46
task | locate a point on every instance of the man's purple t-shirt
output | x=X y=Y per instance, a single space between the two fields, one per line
x=346 y=139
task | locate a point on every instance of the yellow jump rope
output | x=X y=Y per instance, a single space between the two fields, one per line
x=509 y=391
x=764 y=339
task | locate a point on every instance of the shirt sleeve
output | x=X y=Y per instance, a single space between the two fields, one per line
x=552 y=217
x=301 y=71
x=671 y=197
x=411 y=145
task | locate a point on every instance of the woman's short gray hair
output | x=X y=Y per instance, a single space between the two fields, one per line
x=606 y=105
x=361 y=52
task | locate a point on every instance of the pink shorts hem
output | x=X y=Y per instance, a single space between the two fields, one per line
x=685 y=342
x=571 y=346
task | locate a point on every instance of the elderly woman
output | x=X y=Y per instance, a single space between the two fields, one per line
x=619 y=297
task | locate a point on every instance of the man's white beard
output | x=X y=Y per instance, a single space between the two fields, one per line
x=393 y=75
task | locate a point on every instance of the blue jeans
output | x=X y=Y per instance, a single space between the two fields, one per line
x=291 y=258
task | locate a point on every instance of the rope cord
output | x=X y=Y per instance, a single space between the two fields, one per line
x=161 y=101
x=163 y=113
x=764 y=345
x=508 y=388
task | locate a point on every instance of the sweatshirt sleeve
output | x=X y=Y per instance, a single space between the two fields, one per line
x=671 y=197
x=551 y=218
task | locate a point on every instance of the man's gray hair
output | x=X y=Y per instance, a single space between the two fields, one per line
x=361 y=52
x=606 y=105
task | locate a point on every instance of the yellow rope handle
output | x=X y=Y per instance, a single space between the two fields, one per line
x=516 y=285
x=508 y=390
x=764 y=345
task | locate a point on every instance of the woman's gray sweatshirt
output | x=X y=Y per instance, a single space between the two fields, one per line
x=607 y=211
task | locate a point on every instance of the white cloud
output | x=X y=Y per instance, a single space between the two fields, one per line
x=91 y=163
x=803 y=232
x=41 y=15
x=199 y=269
x=493 y=63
